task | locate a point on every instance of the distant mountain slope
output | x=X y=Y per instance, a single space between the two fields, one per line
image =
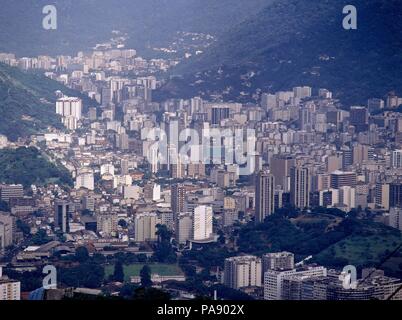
x=299 y=42
x=27 y=102
x=83 y=23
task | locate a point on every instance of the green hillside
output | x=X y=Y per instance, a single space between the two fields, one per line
x=82 y=24
x=27 y=102
x=27 y=166
x=299 y=42
x=333 y=240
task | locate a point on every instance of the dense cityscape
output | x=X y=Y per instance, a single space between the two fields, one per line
x=293 y=195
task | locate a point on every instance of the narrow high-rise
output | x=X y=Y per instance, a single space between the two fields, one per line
x=61 y=218
x=178 y=197
x=265 y=196
x=300 y=186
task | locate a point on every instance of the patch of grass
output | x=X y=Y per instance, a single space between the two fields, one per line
x=134 y=270
x=362 y=251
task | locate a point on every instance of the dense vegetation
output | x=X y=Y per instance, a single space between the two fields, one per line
x=332 y=238
x=27 y=102
x=299 y=42
x=82 y=24
x=28 y=166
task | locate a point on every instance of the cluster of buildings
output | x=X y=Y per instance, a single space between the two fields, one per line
x=275 y=276
x=303 y=150
x=9 y=289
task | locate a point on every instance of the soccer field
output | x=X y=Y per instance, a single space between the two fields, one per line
x=134 y=270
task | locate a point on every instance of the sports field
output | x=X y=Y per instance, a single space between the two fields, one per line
x=134 y=270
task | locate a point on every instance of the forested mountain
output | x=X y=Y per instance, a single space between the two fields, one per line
x=27 y=102
x=83 y=23
x=299 y=42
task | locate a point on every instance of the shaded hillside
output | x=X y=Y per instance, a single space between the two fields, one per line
x=27 y=102
x=27 y=166
x=82 y=24
x=299 y=42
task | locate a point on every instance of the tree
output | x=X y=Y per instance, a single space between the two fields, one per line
x=151 y=294
x=163 y=249
x=81 y=254
x=123 y=223
x=23 y=227
x=145 y=275
x=118 y=274
x=87 y=274
x=40 y=238
x=86 y=212
x=128 y=290
x=163 y=233
x=98 y=258
x=4 y=206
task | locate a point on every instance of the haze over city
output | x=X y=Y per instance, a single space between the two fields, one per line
x=190 y=150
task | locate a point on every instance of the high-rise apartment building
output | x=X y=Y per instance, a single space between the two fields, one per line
x=242 y=271
x=280 y=168
x=273 y=280
x=9 y=191
x=178 y=198
x=69 y=106
x=341 y=179
x=395 y=195
x=279 y=261
x=396 y=159
x=359 y=118
x=202 y=223
x=395 y=218
x=61 y=215
x=265 y=196
x=7 y=228
x=107 y=224
x=145 y=227
x=9 y=289
x=184 y=228
x=300 y=186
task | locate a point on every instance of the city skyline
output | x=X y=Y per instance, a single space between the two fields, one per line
x=123 y=175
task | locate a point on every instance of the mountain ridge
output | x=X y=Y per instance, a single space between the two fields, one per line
x=301 y=43
x=84 y=23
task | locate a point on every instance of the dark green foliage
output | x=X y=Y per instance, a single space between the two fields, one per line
x=277 y=233
x=98 y=258
x=89 y=275
x=230 y=294
x=4 y=206
x=128 y=290
x=86 y=212
x=30 y=281
x=151 y=294
x=118 y=274
x=126 y=258
x=299 y=42
x=209 y=256
x=145 y=275
x=123 y=223
x=40 y=238
x=81 y=254
x=163 y=251
x=331 y=239
x=28 y=166
x=23 y=227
